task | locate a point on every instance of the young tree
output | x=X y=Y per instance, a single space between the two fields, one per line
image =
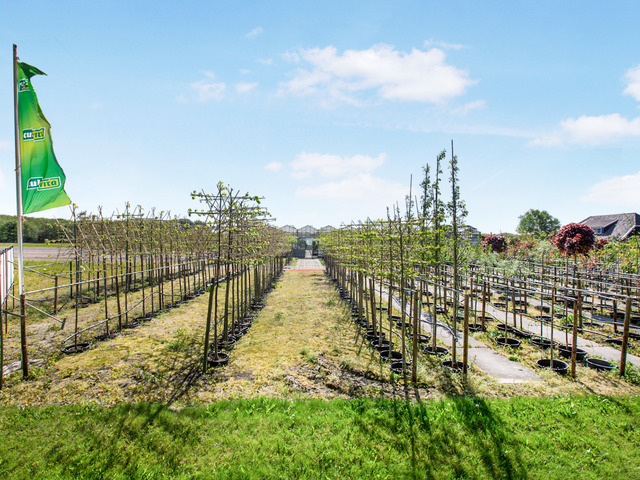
x=538 y=222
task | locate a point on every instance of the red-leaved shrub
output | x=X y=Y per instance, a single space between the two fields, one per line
x=497 y=243
x=575 y=239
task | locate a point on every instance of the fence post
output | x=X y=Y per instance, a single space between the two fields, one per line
x=625 y=337
x=465 y=345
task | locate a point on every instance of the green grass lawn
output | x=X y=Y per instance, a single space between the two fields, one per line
x=586 y=437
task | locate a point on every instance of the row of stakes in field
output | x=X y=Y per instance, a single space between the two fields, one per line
x=385 y=347
x=239 y=329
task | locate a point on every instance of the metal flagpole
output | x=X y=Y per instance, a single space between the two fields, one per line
x=23 y=320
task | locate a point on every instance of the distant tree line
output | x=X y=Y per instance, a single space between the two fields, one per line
x=34 y=230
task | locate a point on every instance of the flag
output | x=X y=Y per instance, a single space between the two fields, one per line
x=42 y=178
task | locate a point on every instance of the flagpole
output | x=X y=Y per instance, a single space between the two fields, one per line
x=21 y=289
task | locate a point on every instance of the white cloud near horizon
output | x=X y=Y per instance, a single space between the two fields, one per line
x=591 y=131
x=467 y=107
x=419 y=76
x=351 y=179
x=596 y=130
x=244 y=87
x=362 y=186
x=265 y=61
x=445 y=45
x=274 y=166
x=254 y=33
x=207 y=90
x=622 y=191
x=633 y=83
x=331 y=166
x=5 y=145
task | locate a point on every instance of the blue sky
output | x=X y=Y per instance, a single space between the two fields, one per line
x=327 y=108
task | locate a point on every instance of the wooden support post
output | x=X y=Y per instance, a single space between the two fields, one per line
x=574 y=346
x=55 y=296
x=465 y=337
x=416 y=321
x=625 y=337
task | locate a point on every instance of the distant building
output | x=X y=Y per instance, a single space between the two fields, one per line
x=620 y=226
x=471 y=234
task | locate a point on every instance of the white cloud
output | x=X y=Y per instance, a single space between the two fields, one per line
x=244 y=71
x=326 y=165
x=244 y=87
x=421 y=76
x=209 y=91
x=265 y=61
x=596 y=130
x=362 y=186
x=254 y=33
x=590 y=130
x=633 y=83
x=621 y=191
x=291 y=56
x=467 y=107
x=601 y=129
x=274 y=166
x=4 y=145
x=445 y=45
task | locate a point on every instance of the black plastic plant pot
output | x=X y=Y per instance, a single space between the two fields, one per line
x=382 y=345
x=244 y=325
x=439 y=351
x=422 y=338
x=592 y=324
x=396 y=367
x=453 y=366
x=487 y=318
x=106 y=336
x=599 y=365
x=522 y=333
x=407 y=325
x=565 y=352
x=373 y=337
x=476 y=327
x=228 y=345
x=505 y=327
x=508 y=342
x=542 y=343
x=146 y=318
x=81 y=347
x=500 y=305
x=390 y=355
x=257 y=305
x=634 y=336
x=617 y=342
x=218 y=361
x=558 y=365
x=131 y=325
x=545 y=318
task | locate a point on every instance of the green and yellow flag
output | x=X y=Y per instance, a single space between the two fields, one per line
x=42 y=178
